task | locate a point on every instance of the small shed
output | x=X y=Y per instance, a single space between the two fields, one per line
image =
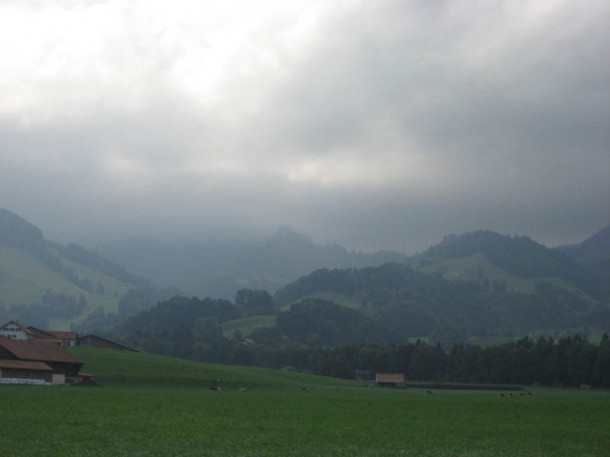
x=390 y=379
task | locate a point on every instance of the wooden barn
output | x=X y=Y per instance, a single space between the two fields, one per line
x=35 y=362
x=390 y=379
x=15 y=330
x=64 y=339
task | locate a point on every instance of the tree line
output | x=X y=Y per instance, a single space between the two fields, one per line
x=568 y=361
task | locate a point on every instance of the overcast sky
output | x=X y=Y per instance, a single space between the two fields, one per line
x=374 y=124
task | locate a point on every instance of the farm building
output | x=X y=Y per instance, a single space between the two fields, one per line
x=390 y=379
x=35 y=362
x=24 y=372
x=15 y=330
x=95 y=341
x=64 y=339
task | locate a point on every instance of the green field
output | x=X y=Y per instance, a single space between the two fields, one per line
x=247 y=325
x=148 y=405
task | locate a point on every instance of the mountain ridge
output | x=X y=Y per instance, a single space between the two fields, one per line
x=593 y=253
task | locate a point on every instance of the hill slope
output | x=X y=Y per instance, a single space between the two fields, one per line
x=516 y=257
x=593 y=253
x=53 y=286
x=479 y=284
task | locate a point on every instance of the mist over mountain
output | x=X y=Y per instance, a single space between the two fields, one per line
x=219 y=267
x=477 y=283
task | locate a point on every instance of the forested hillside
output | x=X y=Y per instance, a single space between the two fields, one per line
x=519 y=256
x=415 y=304
x=318 y=337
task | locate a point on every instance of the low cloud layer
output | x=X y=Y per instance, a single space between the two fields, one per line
x=381 y=124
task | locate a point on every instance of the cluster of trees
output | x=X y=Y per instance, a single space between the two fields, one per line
x=317 y=322
x=190 y=327
x=569 y=361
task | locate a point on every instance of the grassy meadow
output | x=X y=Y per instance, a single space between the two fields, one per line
x=147 y=405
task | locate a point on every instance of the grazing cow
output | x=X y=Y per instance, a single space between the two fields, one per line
x=530 y=394
x=502 y=395
x=428 y=392
x=303 y=388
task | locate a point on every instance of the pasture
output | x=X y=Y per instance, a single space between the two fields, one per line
x=148 y=405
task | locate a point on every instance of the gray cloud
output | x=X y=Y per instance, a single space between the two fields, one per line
x=377 y=125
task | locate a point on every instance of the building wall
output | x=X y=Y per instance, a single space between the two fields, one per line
x=13 y=376
x=58 y=379
x=13 y=332
x=65 y=368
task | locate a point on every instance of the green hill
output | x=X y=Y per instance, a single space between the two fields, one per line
x=477 y=285
x=52 y=286
x=517 y=257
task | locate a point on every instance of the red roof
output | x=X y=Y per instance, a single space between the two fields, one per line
x=34 y=350
x=24 y=365
x=39 y=333
x=64 y=335
x=397 y=378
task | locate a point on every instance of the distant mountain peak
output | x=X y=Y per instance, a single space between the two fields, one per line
x=286 y=235
x=18 y=233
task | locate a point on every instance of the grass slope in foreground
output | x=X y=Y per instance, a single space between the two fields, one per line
x=148 y=405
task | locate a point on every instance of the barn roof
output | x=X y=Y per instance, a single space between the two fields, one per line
x=24 y=365
x=39 y=333
x=64 y=335
x=34 y=350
